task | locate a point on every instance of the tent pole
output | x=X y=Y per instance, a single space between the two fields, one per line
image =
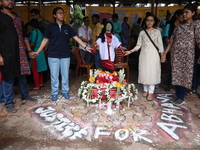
x=152 y=6
x=40 y=5
x=113 y=6
x=156 y=11
x=28 y=10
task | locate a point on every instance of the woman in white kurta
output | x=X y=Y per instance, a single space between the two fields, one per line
x=149 y=59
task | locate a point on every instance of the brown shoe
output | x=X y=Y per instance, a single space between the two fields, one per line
x=145 y=94
x=150 y=97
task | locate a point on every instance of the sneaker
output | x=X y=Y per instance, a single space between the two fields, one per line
x=179 y=102
x=54 y=97
x=66 y=95
x=30 y=99
x=173 y=99
x=11 y=108
x=169 y=88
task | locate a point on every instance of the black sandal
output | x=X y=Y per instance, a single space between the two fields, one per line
x=191 y=92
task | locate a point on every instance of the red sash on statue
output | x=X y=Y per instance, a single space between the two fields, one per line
x=108 y=63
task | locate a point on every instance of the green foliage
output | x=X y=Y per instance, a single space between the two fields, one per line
x=77 y=15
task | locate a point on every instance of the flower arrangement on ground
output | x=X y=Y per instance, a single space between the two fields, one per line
x=107 y=86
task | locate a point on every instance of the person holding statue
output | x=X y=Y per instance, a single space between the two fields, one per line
x=149 y=59
x=57 y=35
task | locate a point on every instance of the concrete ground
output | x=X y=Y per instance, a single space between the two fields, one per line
x=68 y=124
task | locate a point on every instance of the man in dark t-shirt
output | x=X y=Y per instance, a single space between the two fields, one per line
x=35 y=14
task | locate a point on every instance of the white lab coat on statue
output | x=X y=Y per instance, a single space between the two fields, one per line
x=103 y=48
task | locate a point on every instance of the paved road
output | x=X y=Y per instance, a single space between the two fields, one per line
x=70 y=124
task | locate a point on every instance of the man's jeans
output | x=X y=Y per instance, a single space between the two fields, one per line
x=2 y=99
x=56 y=65
x=8 y=93
x=86 y=56
x=23 y=87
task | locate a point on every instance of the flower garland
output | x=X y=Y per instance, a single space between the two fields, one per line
x=123 y=94
x=87 y=94
x=80 y=91
x=122 y=90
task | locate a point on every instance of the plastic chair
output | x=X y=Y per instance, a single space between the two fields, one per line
x=121 y=62
x=81 y=63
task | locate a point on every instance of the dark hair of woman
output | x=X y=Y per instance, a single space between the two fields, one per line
x=102 y=36
x=192 y=8
x=55 y=11
x=173 y=19
x=155 y=20
x=34 y=23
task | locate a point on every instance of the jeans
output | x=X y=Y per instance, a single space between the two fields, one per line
x=2 y=98
x=8 y=92
x=180 y=92
x=86 y=56
x=23 y=87
x=56 y=65
x=98 y=60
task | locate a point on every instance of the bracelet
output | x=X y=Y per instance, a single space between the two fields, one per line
x=29 y=51
x=85 y=47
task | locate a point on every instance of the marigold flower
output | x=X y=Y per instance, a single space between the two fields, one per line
x=117 y=84
x=91 y=79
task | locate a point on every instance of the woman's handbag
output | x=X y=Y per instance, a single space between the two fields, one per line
x=152 y=41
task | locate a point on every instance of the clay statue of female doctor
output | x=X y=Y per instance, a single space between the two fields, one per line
x=107 y=43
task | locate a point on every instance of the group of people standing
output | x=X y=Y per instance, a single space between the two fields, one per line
x=89 y=36
x=183 y=36
x=15 y=44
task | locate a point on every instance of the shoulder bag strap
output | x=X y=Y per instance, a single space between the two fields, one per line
x=152 y=41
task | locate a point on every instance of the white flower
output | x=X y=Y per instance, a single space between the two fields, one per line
x=126 y=91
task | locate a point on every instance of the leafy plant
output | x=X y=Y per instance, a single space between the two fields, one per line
x=77 y=15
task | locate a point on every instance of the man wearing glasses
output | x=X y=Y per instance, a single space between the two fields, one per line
x=85 y=34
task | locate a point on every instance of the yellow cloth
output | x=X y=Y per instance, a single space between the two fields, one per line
x=96 y=32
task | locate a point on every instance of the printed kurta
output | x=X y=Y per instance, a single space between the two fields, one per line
x=183 y=40
x=149 y=59
x=18 y=23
